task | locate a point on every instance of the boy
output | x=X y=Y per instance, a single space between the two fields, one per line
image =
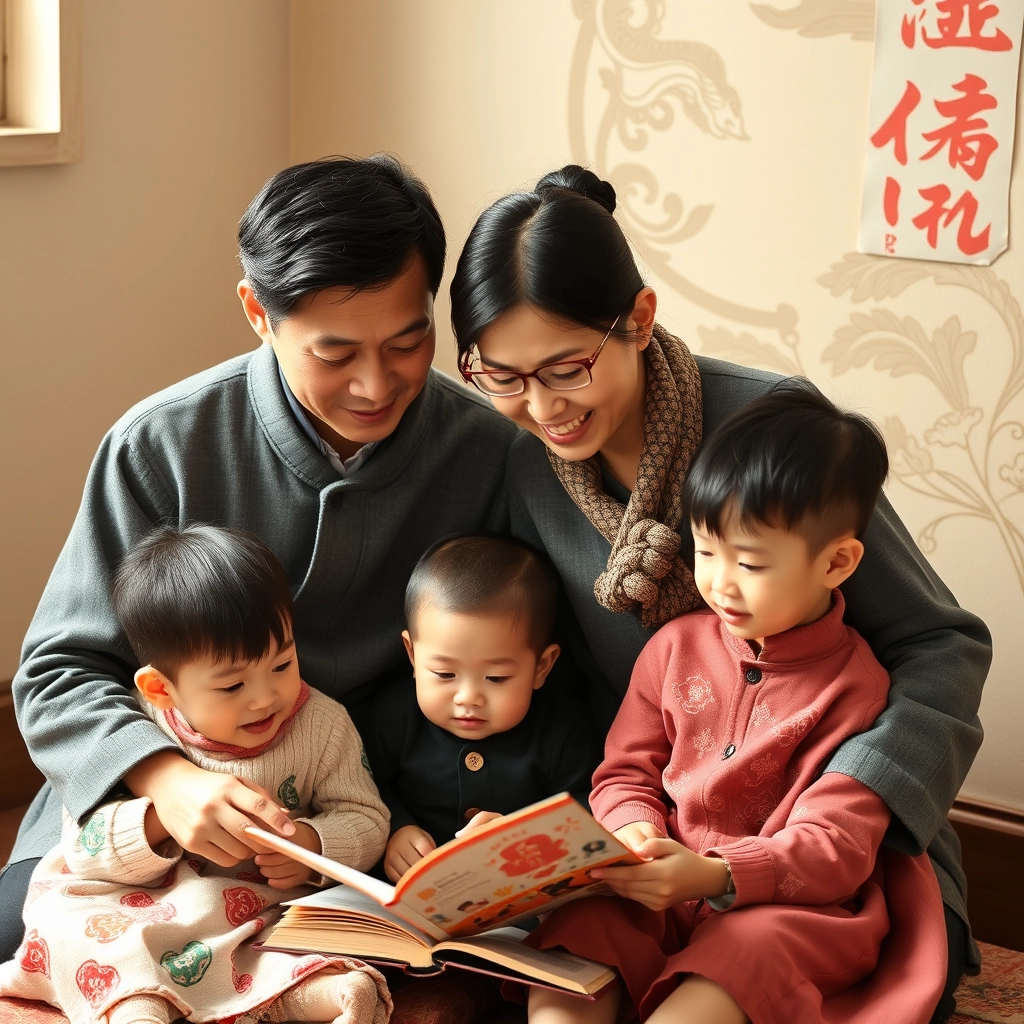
x=122 y=924
x=714 y=766
x=474 y=735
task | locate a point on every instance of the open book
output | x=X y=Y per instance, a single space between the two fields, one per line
x=506 y=871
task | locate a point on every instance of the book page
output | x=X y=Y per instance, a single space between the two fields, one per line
x=510 y=869
x=504 y=947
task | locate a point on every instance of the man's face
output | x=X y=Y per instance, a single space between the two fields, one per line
x=355 y=360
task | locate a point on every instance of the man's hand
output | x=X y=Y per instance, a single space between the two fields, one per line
x=407 y=846
x=478 y=819
x=280 y=871
x=204 y=812
x=673 y=875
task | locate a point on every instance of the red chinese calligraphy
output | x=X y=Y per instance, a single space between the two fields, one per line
x=952 y=17
x=969 y=146
x=966 y=207
x=891 y=201
x=894 y=129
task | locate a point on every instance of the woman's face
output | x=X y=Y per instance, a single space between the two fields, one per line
x=606 y=414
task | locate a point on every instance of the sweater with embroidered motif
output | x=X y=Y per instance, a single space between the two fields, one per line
x=724 y=750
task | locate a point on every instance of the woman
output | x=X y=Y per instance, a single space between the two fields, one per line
x=555 y=324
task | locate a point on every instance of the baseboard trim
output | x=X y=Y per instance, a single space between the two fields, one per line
x=992 y=845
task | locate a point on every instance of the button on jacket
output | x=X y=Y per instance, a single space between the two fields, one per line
x=431 y=778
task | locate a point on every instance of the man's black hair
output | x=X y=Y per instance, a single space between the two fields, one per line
x=486 y=574
x=337 y=222
x=793 y=461
x=201 y=591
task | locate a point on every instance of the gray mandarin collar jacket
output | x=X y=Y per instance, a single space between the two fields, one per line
x=224 y=447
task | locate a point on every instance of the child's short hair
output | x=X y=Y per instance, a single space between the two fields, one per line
x=793 y=461
x=201 y=591
x=487 y=574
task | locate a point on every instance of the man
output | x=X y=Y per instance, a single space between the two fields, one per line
x=335 y=442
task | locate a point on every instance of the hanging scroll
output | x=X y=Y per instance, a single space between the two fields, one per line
x=940 y=139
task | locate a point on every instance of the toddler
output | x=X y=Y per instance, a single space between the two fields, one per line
x=122 y=925
x=767 y=895
x=473 y=735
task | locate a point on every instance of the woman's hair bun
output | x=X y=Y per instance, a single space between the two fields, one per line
x=574 y=178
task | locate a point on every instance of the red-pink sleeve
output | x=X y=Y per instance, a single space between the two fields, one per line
x=627 y=784
x=823 y=854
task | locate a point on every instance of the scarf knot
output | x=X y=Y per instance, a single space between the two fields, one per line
x=645 y=573
x=637 y=567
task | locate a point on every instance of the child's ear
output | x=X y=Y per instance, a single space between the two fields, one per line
x=407 y=640
x=846 y=554
x=152 y=684
x=545 y=663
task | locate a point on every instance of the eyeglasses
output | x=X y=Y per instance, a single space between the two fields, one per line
x=568 y=376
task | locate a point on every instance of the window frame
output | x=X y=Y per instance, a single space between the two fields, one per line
x=41 y=91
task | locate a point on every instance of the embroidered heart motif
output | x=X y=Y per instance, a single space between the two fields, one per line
x=242 y=982
x=36 y=889
x=168 y=880
x=136 y=899
x=107 y=927
x=288 y=794
x=158 y=912
x=188 y=967
x=250 y=876
x=35 y=955
x=307 y=965
x=96 y=981
x=93 y=836
x=240 y=904
x=198 y=865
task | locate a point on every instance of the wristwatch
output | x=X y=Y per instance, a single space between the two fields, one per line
x=730 y=885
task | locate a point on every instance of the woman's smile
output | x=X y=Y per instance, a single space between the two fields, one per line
x=568 y=431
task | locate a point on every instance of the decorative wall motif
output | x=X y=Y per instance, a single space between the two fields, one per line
x=644 y=79
x=818 y=18
x=971 y=460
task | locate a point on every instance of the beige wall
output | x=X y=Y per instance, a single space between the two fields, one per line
x=756 y=125
x=117 y=272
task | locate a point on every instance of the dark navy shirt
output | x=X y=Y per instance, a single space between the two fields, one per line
x=431 y=778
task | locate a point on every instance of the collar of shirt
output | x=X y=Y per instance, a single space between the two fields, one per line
x=345 y=467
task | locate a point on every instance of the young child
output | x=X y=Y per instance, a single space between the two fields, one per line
x=767 y=896
x=122 y=925
x=474 y=736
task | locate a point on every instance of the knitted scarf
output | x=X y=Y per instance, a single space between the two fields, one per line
x=645 y=573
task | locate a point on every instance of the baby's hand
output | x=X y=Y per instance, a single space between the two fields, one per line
x=636 y=833
x=280 y=871
x=478 y=819
x=407 y=846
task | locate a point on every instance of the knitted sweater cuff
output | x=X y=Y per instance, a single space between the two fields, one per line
x=137 y=859
x=626 y=814
x=354 y=847
x=753 y=873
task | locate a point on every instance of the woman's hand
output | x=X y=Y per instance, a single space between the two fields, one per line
x=478 y=819
x=280 y=871
x=204 y=812
x=672 y=875
x=408 y=845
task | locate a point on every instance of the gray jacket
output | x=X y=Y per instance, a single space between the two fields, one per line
x=224 y=447
x=918 y=752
